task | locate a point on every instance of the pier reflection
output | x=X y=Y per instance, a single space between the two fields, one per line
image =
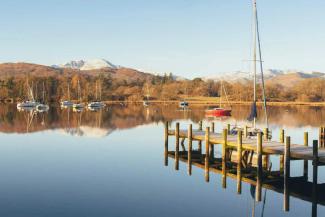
x=249 y=168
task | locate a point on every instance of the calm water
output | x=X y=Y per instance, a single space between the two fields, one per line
x=111 y=163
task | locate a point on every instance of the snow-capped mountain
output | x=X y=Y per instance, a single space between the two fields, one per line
x=87 y=64
x=240 y=76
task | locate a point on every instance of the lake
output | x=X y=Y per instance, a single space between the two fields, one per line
x=111 y=163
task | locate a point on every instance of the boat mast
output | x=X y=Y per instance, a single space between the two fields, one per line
x=69 y=91
x=261 y=68
x=43 y=92
x=220 y=95
x=96 y=91
x=79 y=95
x=254 y=54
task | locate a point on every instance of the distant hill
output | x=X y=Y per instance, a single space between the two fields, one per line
x=285 y=78
x=23 y=69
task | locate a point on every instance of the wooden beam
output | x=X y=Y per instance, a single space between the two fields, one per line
x=177 y=146
x=286 y=193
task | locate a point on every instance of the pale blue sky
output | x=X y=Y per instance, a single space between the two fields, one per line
x=187 y=37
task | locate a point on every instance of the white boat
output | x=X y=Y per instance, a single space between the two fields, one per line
x=27 y=104
x=42 y=108
x=30 y=103
x=145 y=103
x=183 y=104
x=96 y=104
x=67 y=103
x=79 y=106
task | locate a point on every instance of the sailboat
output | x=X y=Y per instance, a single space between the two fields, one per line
x=184 y=104
x=220 y=111
x=67 y=103
x=146 y=101
x=98 y=104
x=257 y=47
x=30 y=103
x=79 y=106
x=42 y=107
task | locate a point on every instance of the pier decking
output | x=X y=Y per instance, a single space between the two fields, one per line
x=238 y=155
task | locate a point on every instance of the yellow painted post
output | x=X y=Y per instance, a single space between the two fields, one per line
x=306 y=161
x=281 y=156
x=246 y=131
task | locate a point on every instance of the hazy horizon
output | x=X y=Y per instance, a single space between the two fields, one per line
x=187 y=38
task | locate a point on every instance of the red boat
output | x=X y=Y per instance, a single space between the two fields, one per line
x=218 y=112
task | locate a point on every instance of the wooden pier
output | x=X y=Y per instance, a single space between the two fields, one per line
x=246 y=159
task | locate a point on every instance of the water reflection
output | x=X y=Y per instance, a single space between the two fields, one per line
x=249 y=168
x=128 y=116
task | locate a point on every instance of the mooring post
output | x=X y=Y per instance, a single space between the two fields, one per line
x=315 y=177
x=189 y=153
x=224 y=158
x=306 y=161
x=177 y=146
x=281 y=156
x=246 y=131
x=166 y=144
x=207 y=158
x=212 y=127
x=239 y=161
x=286 y=194
x=211 y=154
x=258 y=194
x=200 y=142
x=228 y=128
x=266 y=157
x=266 y=134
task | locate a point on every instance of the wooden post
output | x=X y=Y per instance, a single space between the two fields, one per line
x=211 y=154
x=224 y=158
x=286 y=194
x=281 y=156
x=228 y=128
x=166 y=144
x=189 y=153
x=239 y=161
x=207 y=158
x=200 y=142
x=246 y=131
x=200 y=125
x=258 y=193
x=306 y=161
x=266 y=134
x=212 y=127
x=177 y=146
x=266 y=157
x=315 y=177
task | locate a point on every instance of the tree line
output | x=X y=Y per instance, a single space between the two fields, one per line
x=156 y=87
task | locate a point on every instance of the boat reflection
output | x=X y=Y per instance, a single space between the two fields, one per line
x=127 y=116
